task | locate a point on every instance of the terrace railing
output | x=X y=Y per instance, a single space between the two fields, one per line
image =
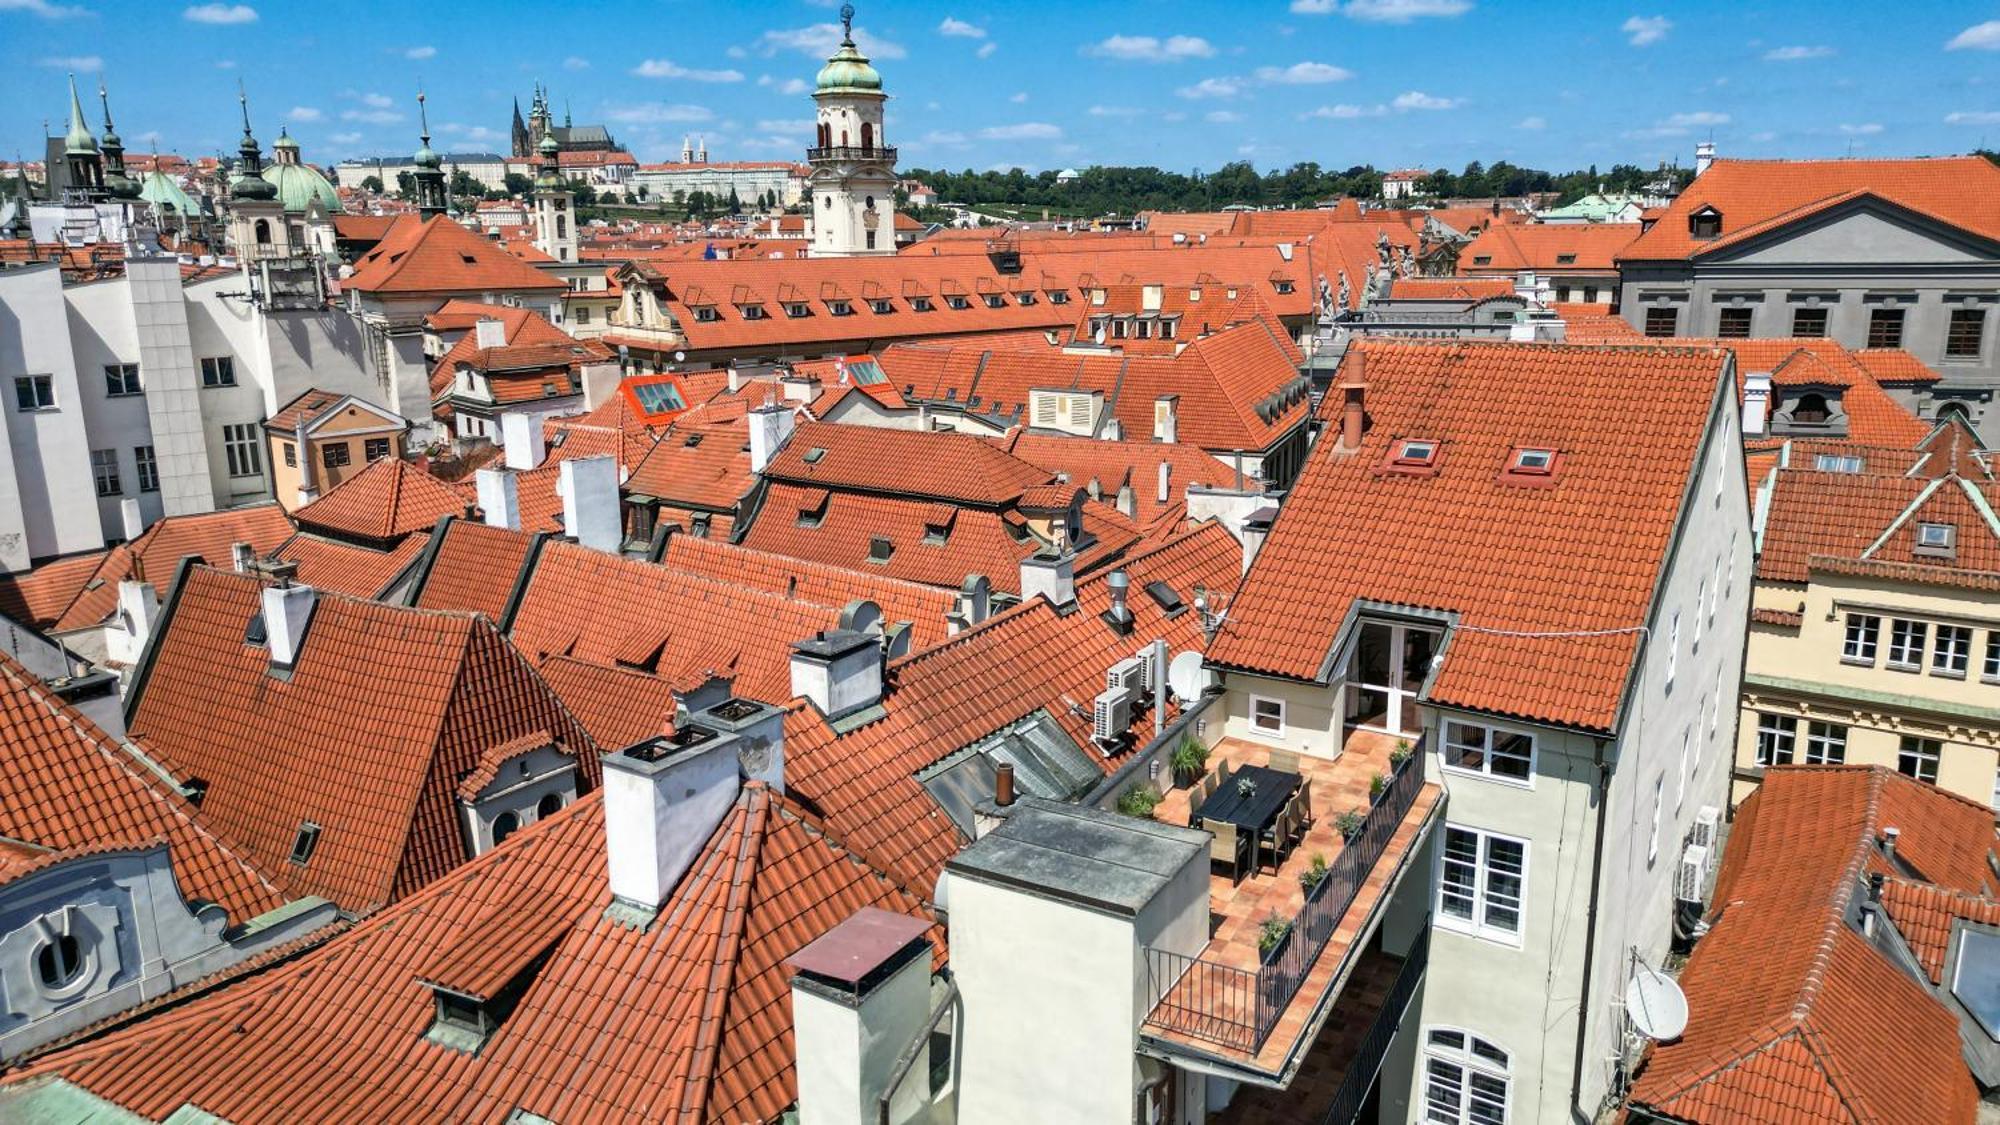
x=1367 y=1060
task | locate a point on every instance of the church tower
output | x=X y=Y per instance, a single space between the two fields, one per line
x=256 y=218
x=853 y=182
x=540 y=122
x=117 y=184
x=83 y=166
x=555 y=204
x=429 y=185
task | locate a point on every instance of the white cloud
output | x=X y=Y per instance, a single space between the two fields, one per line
x=345 y=138
x=1348 y=112
x=1026 y=131
x=1697 y=118
x=1794 y=54
x=736 y=53
x=1867 y=130
x=225 y=64
x=820 y=39
x=1392 y=11
x=1313 y=7
x=667 y=68
x=221 y=13
x=1973 y=117
x=1020 y=98
x=1978 y=37
x=371 y=116
x=471 y=134
x=986 y=50
x=788 y=86
x=943 y=137
x=379 y=101
x=786 y=125
x=1222 y=117
x=45 y=9
x=1148 y=48
x=304 y=113
x=576 y=62
x=1417 y=99
x=1643 y=31
x=1212 y=88
x=961 y=29
x=1533 y=124
x=88 y=63
x=658 y=113
x=1303 y=74
x=1115 y=111
x=420 y=53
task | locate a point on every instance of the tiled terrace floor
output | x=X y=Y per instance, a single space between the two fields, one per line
x=1312 y=1091
x=1238 y=909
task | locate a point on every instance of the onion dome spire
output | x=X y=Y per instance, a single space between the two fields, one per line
x=250 y=183
x=120 y=185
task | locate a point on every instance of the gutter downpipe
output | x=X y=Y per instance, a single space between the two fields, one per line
x=1590 y=939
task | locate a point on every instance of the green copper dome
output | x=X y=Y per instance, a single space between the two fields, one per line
x=160 y=190
x=299 y=184
x=426 y=158
x=848 y=69
x=79 y=140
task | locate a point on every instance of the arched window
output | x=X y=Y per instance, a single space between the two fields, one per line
x=867 y=135
x=825 y=134
x=263 y=232
x=1465 y=1079
x=59 y=962
x=1811 y=407
x=843 y=138
x=1954 y=410
x=504 y=826
x=549 y=805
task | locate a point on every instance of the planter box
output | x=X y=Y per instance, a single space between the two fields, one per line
x=1278 y=950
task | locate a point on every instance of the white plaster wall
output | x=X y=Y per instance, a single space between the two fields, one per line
x=101 y=332
x=51 y=505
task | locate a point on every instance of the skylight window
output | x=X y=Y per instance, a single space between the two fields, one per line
x=814 y=455
x=1937 y=540
x=1838 y=463
x=880 y=548
x=1534 y=461
x=305 y=843
x=1411 y=451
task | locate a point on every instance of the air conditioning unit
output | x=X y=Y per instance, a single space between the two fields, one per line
x=1149 y=670
x=1110 y=714
x=1128 y=675
x=1692 y=875
x=1706 y=822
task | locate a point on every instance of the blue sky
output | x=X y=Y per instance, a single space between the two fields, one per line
x=1180 y=85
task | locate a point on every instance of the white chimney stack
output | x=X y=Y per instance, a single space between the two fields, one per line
x=129 y=515
x=242 y=557
x=838 y=670
x=1167 y=418
x=499 y=498
x=1166 y=481
x=521 y=438
x=1050 y=576
x=770 y=429
x=1704 y=157
x=860 y=993
x=590 y=502
x=138 y=608
x=287 y=612
x=662 y=801
x=489 y=332
x=1756 y=403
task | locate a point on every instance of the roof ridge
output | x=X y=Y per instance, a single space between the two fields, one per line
x=1758 y=1041
x=755 y=801
x=1835 y=922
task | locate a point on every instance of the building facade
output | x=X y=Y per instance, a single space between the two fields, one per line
x=853 y=181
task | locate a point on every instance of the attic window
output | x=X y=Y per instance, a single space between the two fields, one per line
x=1482 y=259
x=1839 y=463
x=797 y=309
x=692 y=440
x=1937 y=540
x=814 y=456
x=751 y=312
x=1282 y=285
x=1058 y=296
x=1537 y=461
x=1705 y=223
x=920 y=304
x=468 y=259
x=1165 y=597
x=305 y=843
x=840 y=308
x=1024 y=298
x=883 y=306
x=995 y=301
x=880 y=548
x=958 y=302
x=706 y=314
x=256 y=633
x=1565 y=259
x=1415 y=453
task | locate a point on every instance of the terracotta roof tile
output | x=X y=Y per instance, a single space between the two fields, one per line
x=345 y=568
x=923 y=607
x=930 y=464
x=440 y=256
x=474 y=569
x=39 y=597
x=384 y=502
x=1543 y=247
x=210 y=536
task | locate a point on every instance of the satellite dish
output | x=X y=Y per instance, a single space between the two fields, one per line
x=680 y=357
x=1098 y=336
x=1658 y=1008
x=1187 y=675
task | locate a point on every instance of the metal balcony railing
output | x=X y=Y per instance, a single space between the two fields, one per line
x=853 y=152
x=1367 y=1060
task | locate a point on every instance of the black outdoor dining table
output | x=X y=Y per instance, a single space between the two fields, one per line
x=1256 y=811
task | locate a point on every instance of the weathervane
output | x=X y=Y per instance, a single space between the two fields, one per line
x=847 y=21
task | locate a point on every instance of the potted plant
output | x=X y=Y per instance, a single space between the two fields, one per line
x=1348 y=824
x=1189 y=762
x=1400 y=755
x=1139 y=801
x=1376 y=785
x=1245 y=787
x=1313 y=875
x=1271 y=937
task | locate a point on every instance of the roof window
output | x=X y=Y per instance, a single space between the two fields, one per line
x=995 y=301
x=1482 y=259
x=468 y=259
x=1565 y=259
x=305 y=843
x=1415 y=452
x=1839 y=463
x=1937 y=540
x=880 y=548
x=1541 y=461
x=814 y=455
x=1705 y=222
x=1166 y=597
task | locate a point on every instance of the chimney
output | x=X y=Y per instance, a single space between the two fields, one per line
x=798 y=388
x=1526 y=289
x=1704 y=156
x=1256 y=528
x=138 y=608
x=500 y=497
x=521 y=439
x=1872 y=905
x=1353 y=416
x=975 y=599
x=288 y=609
x=1756 y=403
x=838 y=670
x=242 y=557
x=489 y=332
x=1049 y=576
x=1128 y=502
x=735 y=378
x=770 y=429
x=1119 y=616
x=1889 y=837
x=1166 y=481
x=1167 y=418
x=758 y=732
x=662 y=800
x=860 y=994
x=1003 y=784
x=135 y=523
x=591 y=511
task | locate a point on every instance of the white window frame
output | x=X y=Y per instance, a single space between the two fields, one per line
x=1789 y=733
x=1989 y=670
x=1673 y=648
x=1485 y=748
x=1466 y=1064
x=1659 y=807
x=104 y=473
x=1953 y=661
x=1910 y=637
x=1820 y=739
x=1870 y=643
x=1935 y=759
x=1478 y=926
x=240 y=450
x=1257 y=723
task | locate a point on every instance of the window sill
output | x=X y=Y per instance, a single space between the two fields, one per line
x=1947 y=674
x=1911 y=669
x=1858 y=662
x=1473 y=930
x=126 y=394
x=1497 y=778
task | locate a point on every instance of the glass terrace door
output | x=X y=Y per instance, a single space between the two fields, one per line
x=1385 y=674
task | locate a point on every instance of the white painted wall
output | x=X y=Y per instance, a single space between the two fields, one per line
x=50 y=506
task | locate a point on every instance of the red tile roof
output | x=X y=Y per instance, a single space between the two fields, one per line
x=346 y=568
x=1865 y=516
x=620 y=707
x=383 y=502
x=523 y=328
x=1924 y=915
x=923 y=607
x=1579 y=556
x=932 y=465
x=1595 y=324
x=440 y=256
x=1543 y=247
x=383 y=712
x=474 y=569
x=66 y=786
x=1451 y=288
x=38 y=597
x=1757 y=196
x=686 y=1020
x=210 y=536
x=1794 y=1016
x=1115 y=463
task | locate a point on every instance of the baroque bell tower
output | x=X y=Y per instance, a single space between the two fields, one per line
x=853 y=184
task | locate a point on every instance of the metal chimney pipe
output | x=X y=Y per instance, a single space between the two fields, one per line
x=1003 y=784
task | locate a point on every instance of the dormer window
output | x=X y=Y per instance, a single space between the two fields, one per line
x=882 y=307
x=1937 y=540
x=840 y=308
x=1058 y=296
x=1024 y=298
x=1565 y=259
x=920 y=304
x=1482 y=259
x=1706 y=222
x=797 y=309
x=995 y=301
x=958 y=302
x=706 y=314
x=751 y=312
x=1811 y=409
x=880 y=549
x=1282 y=286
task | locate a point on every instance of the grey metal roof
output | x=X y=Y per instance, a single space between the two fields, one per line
x=1047 y=763
x=1096 y=859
